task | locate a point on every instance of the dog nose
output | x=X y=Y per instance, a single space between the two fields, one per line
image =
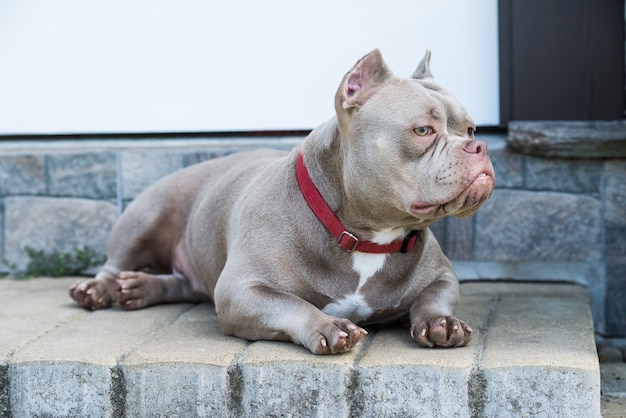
x=475 y=147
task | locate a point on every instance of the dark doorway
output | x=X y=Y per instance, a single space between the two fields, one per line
x=561 y=59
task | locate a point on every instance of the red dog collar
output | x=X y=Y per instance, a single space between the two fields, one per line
x=345 y=239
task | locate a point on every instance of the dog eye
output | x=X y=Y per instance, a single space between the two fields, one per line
x=423 y=130
x=470 y=132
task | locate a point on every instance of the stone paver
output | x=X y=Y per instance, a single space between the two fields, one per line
x=398 y=377
x=532 y=354
x=189 y=361
x=73 y=369
x=613 y=390
x=284 y=379
x=526 y=372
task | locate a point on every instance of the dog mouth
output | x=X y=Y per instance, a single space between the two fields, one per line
x=471 y=197
x=481 y=178
x=419 y=209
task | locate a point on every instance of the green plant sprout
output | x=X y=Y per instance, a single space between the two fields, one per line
x=56 y=264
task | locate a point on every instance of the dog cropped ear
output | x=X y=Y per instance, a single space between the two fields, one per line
x=423 y=68
x=363 y=80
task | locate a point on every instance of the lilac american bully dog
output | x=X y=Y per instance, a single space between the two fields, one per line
x=311 y=245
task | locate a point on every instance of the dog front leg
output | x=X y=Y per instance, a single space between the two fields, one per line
x=263 y=313
x=432 y=316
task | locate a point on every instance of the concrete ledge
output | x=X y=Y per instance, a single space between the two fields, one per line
x=569 y=139
x=533 y=355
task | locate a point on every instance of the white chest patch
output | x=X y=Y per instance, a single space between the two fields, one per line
x=353 y=306
x=367 y=265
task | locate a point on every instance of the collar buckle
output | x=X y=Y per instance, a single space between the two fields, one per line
x=348 y=242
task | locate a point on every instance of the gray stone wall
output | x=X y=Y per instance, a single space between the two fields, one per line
x=57 y=196
x=550 y=219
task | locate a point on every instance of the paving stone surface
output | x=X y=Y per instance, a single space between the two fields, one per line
x=533 y=354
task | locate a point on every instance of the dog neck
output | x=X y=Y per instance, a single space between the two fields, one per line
x=345 y=239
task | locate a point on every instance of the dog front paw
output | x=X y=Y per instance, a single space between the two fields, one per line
x=337 y=336
x=442 y=331
x=92 y=294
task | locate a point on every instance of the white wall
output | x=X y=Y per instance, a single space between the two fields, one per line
x=85 y=66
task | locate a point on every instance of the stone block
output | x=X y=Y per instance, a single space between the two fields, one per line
x=296 y=383
x=88 y=175
x=200 y=156
x=46 y=390
x=615 y=191
x=2 y=257
x=191 y=353
x=615 y=309
x=508 y=168
x=588 y=139
x=563 y=175
x=519 y=382
x=539 y=226
x=141 y=169
x=459 y=238
x=614 y=379
x=73 y=370
x=22 y=175
x=615 y=238
x=47 y=306
x=455 y=237
x=436 y=386
x=398 y=378
x=439 y=231
x=55 y=224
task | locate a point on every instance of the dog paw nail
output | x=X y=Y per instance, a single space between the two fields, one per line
x=343 y=334
x=323 y=342
x=423 y=332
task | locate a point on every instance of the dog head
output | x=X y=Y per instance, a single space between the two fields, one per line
x=409 y=153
